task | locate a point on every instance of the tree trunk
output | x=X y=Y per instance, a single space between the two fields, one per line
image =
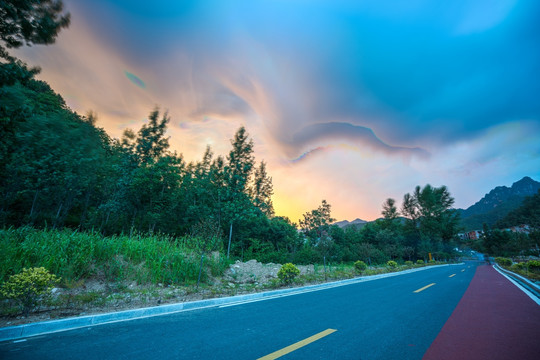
x=33 y=207
x=57 y=215
x=229 y=247
x=324 y=262
x=83 y=215
x=200 y=271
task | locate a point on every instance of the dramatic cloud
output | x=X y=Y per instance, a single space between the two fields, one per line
x=352 y=101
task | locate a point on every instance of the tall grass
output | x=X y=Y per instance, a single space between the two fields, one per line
x=74 y=255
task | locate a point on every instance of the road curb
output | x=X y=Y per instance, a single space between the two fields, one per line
x=45 y=327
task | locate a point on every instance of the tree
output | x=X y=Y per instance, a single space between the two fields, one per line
x=28 y=22
x=238 y=170
x=430 y=211
x=390 y=216
x=317 y=221
x=151 y=143
x=240 y=162
x=262 y=190
x=390 y=212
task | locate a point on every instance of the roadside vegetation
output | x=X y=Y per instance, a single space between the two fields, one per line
x=529 y=269
x=50 y=273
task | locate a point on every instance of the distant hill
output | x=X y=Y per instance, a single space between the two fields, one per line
x=528 y=213
x=496 y=204
x=358 y=223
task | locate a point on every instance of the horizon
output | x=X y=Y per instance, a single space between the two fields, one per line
x=351 y=103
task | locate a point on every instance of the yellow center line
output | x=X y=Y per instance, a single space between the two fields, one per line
x=424 y=288
x=452 y=275
x=298 y=345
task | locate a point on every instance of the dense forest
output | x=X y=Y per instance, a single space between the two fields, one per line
x=60 y=170
x=499 y=241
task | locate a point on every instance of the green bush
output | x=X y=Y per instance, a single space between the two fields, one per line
x=360 y=266
x=287 y=273
x=391 y=264
x=533 y=265
x=503 y=261
x=29 y=287
x=420 y=262
x=409 y=263
x=431 y=261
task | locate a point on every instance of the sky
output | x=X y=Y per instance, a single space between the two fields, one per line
x=351 y=101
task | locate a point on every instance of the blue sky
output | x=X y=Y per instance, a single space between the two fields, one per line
x=348 y=101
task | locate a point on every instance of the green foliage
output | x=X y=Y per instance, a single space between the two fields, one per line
x=530 y=269
x=503 y=261
x=30 y=22
x=528 y=213
x=430 y=212
x=533 y=265
x=420 y=262
x=73 y=255
x=261 y=190
x=317 y=221
x=409 y=263
x=360 y=266
x=29 y=287
x=287 y=273
x=57 y=169
x=505 y=243
x=392 y=264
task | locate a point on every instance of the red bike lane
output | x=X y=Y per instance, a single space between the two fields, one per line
x=493 y=320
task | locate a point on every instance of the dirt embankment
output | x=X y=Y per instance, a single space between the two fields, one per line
x=254 y=272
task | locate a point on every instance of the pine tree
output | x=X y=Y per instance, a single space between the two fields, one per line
x=240 y=162
x=262 y=190
x=151 y=143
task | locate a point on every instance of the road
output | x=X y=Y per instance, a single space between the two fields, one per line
x=390 y=318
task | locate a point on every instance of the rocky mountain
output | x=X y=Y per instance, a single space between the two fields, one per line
x=496 y=204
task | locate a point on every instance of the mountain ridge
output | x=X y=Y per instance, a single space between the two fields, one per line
x=497 y=203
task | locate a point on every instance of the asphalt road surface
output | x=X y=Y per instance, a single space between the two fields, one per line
x=391 y=318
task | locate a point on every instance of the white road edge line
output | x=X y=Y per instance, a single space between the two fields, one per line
x=527 y=292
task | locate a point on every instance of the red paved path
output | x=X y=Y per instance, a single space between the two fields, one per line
x=493 y=320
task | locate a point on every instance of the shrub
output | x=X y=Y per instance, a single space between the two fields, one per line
x=360 y=266
x=409 y=263
x=420 y=262
x=431 y=261
x=533 y=265
x=287 y=273
x=503 y=261
x=29 y=287
x=391 y=264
